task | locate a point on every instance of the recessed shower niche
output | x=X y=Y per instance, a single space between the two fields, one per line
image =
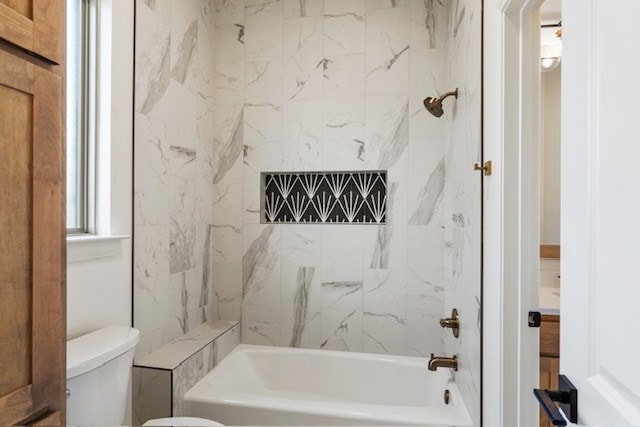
x=324 y=197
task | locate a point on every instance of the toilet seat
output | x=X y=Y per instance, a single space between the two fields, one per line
x=181 y=422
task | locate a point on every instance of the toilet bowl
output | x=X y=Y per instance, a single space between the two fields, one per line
x=181 y=422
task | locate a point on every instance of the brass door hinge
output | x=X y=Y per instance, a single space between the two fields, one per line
x=486 y=168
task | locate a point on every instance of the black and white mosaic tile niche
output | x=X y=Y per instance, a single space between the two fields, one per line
x=324 y=197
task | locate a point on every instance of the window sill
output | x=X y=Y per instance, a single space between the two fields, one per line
x=83 y=248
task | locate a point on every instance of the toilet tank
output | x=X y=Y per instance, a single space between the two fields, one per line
x=99 y=376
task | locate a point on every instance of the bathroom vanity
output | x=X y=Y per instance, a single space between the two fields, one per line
x=549 y=298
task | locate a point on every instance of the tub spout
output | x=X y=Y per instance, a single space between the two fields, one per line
x=444 y=362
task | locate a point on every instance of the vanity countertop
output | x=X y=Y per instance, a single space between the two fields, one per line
x=549 y=299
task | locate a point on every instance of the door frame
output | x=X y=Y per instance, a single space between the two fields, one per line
x=511 y=132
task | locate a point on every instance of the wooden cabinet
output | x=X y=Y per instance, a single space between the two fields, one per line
x=32 y=247
x=34 y=25
x=549 y=357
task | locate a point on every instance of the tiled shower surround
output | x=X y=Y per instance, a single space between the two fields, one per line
x=333 y=85
x=227 y=89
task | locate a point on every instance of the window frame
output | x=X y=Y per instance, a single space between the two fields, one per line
x=86 y=144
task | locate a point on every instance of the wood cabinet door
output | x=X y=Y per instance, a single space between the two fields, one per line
x=32 y=288
x=34 y=25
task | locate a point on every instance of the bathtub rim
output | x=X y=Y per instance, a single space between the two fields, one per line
x=204 y=392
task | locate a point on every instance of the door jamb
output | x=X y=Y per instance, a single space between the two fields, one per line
x=511 y=224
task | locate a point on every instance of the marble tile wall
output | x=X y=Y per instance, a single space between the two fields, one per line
x=175 y=169
x=463 y=199
x=327 y=85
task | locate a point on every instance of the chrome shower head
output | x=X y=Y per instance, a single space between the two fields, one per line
x=434 y=105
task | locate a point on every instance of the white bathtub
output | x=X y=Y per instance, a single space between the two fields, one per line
x=257 y=385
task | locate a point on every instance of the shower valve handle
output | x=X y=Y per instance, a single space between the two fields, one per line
x=452 y=323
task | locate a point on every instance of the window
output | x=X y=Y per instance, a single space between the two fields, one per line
x=81 y=43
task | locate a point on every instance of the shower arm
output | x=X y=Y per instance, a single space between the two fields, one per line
x=448 y=94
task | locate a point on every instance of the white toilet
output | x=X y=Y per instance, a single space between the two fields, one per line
x=99 y=376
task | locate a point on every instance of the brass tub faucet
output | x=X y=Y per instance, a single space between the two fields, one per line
x=443 y=362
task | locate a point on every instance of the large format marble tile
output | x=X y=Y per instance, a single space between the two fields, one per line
x=385 y=246
x=227 y=291
x=152 y=62
x=302 y=245
x=343 y=155
x=206 y=38
x=262 y=123
x=185 y=297
x=261 y=325
x=228 y=12
x=301 y=319
x=387 y=135
x=302 y=8
x=384 y=4
x=227 y=205
x=259 y=157
x=387 y=51
x=342 y=295
x=151 y=278
x=343 y=94
x=151 y=170
x=263 y=83
x=204 y=266
x=342 y=253
x=204 y=165
x=183 y=206
x=263 y=102
x=424 y=335
x=426 y=181
x=263 y=25
x=303 y=65
x=426 y=262
x=162 y=8
x=302 y=142
x=341 y=329
x=228 y=143
x=385 y=311
x=184 y=39
x=429 y=23
x=226 y=80
x=344 y=27
x=261 y=268
x=227 y=223
x=180 y=109
x=227 y=243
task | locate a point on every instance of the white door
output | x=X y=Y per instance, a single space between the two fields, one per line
x=600 y=326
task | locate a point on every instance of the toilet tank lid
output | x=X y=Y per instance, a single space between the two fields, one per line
x=90 y=351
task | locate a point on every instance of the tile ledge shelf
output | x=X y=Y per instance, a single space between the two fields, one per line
x=172 y=355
